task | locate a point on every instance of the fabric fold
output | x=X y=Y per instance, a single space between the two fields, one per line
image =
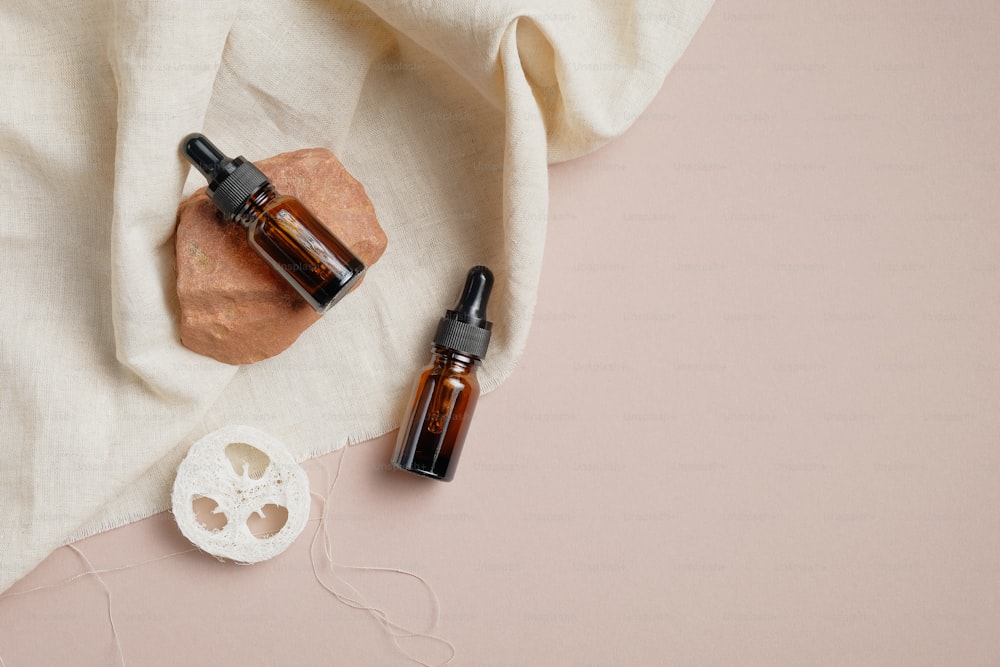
x=179 y=47
x=448 y=113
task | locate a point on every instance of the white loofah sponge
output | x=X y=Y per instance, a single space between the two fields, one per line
x=242 y=470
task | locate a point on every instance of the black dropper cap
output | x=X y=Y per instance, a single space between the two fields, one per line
x=464 y=328
x=231 y=181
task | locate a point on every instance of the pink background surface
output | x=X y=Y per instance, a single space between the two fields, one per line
x=756 y=422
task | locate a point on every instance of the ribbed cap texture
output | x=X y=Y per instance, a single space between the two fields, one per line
x=237 y=187
x=461 y=337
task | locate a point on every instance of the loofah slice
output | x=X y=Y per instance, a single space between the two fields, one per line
x=249 y=476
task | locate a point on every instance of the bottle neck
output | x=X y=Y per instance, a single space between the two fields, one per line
x=455 y=358
x=254 y=206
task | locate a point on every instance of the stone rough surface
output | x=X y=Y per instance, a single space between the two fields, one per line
x=234 y=307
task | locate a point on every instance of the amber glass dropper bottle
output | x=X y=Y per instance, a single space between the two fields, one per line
x=279 y=228
x=444 y=396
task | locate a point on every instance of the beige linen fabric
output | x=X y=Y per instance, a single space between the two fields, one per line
x=448 y=112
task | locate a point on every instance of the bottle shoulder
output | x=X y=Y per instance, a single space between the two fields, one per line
x=445 y=367
x=285 y=202
x=277 y=209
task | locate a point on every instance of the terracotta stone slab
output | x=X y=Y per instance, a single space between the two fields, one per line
x=234 y=307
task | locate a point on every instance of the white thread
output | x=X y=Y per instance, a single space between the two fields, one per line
x=111 y=618
x=97 y=573
x=390 y=627
x=394 y=630
x=70 y=580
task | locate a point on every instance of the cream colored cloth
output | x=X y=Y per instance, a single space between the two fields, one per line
x=448 y=112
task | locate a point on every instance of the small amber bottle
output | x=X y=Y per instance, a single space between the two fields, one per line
x=445 y=393
x=279 y=228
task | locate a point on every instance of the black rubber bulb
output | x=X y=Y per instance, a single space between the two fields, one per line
x=213 y=164
x=471 y=307
x=203 y=154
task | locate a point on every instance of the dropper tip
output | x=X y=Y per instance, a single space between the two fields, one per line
x=476 y=295
x=202 y=153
